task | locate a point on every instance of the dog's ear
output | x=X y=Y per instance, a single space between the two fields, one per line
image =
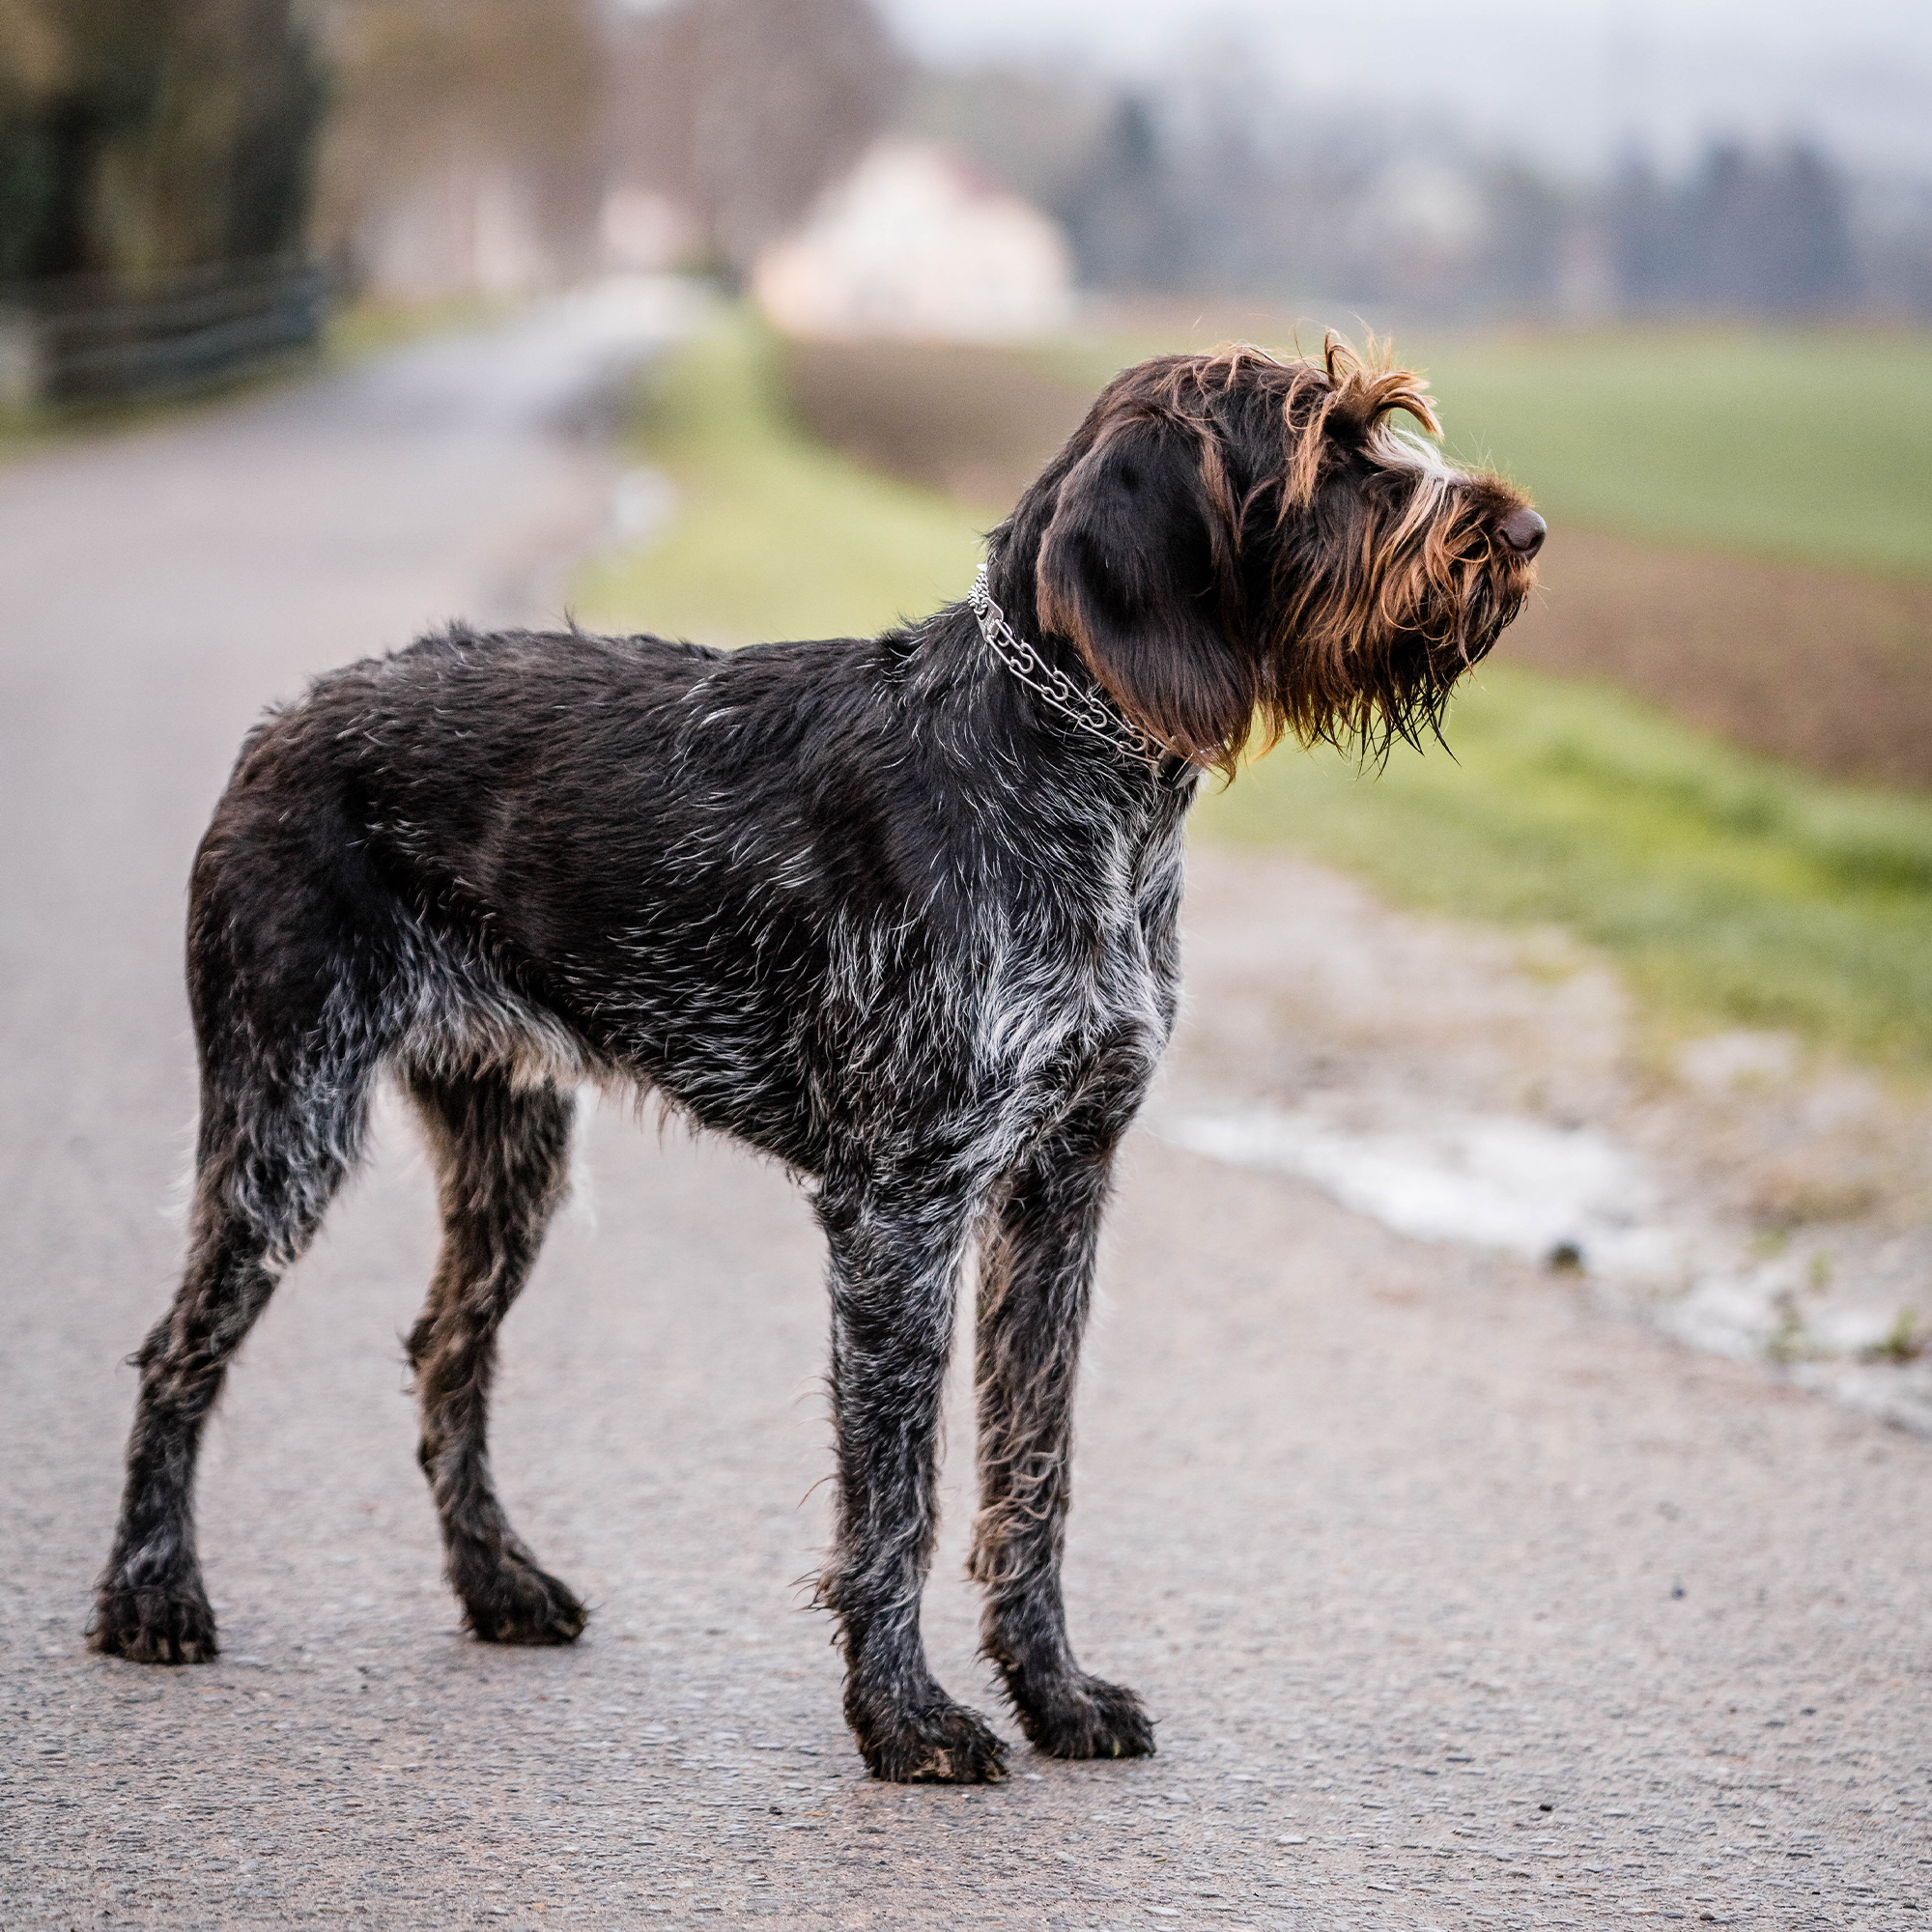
x=1140 y=568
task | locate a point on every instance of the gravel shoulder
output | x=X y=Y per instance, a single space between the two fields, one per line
x=1740 y=1193
x=1404 y=1541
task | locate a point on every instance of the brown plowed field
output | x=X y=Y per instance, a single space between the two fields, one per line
x=1831 y=671
x=978 y=423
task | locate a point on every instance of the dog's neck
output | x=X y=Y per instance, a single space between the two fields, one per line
x=1075 y=698
x=1050 y=672
x=1055 y=788
x=1009 y=578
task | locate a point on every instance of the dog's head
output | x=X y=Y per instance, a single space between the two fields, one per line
x=1237 y=545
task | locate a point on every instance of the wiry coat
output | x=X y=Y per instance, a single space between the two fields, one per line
x=868 y=906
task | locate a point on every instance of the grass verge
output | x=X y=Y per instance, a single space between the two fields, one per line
x=1732 y=890
x=56 y=425
x=368 y=328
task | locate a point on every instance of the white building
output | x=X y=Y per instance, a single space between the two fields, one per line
x=916 y=242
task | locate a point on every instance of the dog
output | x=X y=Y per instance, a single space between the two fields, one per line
x=899 y=912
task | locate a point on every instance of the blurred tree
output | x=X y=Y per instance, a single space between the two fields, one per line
x=1121 y=213
x=1893 y=235
x=1723 y=215
x=1521 y=262
x=42 y=175
x=1803 y=253
x=137 y=138
x=465 y=148
x=743 y=110
x=1645 y=242
x=1745 y=234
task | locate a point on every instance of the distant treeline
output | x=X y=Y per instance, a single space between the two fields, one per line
x=138 y=139
x=1220 y=188
x=1766 y=233
x=418 y=147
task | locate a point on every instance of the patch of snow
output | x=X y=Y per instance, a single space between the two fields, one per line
x=1574 y=1196
x=1493 y=1181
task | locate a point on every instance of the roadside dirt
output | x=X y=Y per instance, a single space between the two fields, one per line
x=1495 y=1088
x=976 y=423
x=1829 y=671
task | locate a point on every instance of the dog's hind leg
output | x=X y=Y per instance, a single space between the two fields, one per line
x=502 y=1155
x=274 y=1146
x=1035 y=1274
x=894 y=1270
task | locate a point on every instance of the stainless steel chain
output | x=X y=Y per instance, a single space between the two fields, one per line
x=1080 y=706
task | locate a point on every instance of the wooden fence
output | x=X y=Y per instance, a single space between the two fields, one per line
x=93 y=339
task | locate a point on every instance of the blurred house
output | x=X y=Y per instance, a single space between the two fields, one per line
x=1415 y=228
x=738 y=113
x=918 y=241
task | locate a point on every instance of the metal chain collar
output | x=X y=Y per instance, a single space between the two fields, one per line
x=1080 y=706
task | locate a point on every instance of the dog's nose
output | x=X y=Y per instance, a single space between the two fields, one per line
x=1524 y=531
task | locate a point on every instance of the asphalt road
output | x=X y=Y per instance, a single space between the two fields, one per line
x=1458 y=1601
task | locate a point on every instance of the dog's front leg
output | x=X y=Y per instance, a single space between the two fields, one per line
x=1035 y=1275
x=895 y=1258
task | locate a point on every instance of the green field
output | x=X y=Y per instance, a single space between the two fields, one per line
x=1813 y=445
x=1731 y=891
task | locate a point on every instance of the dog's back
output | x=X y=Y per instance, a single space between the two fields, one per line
x=475 y=851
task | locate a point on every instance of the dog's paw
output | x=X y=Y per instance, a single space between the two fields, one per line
x=1083 y=1716
x=154 y=1623
x=517 y=1603
x=943 y=1744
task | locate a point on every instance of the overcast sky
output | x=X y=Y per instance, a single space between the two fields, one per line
x=1574 y=80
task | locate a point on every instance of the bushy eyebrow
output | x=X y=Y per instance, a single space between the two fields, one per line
x=1344 y=393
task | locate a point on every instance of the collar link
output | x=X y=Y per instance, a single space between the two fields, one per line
x=1081 y=704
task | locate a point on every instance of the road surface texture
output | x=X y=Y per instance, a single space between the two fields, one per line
x=1460 y=1601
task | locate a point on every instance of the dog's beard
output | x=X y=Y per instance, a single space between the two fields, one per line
x=1375 y=636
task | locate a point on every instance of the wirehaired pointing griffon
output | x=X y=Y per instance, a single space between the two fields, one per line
x=899 y=912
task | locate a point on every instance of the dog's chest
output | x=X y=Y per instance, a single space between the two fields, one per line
x=1072 y=983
